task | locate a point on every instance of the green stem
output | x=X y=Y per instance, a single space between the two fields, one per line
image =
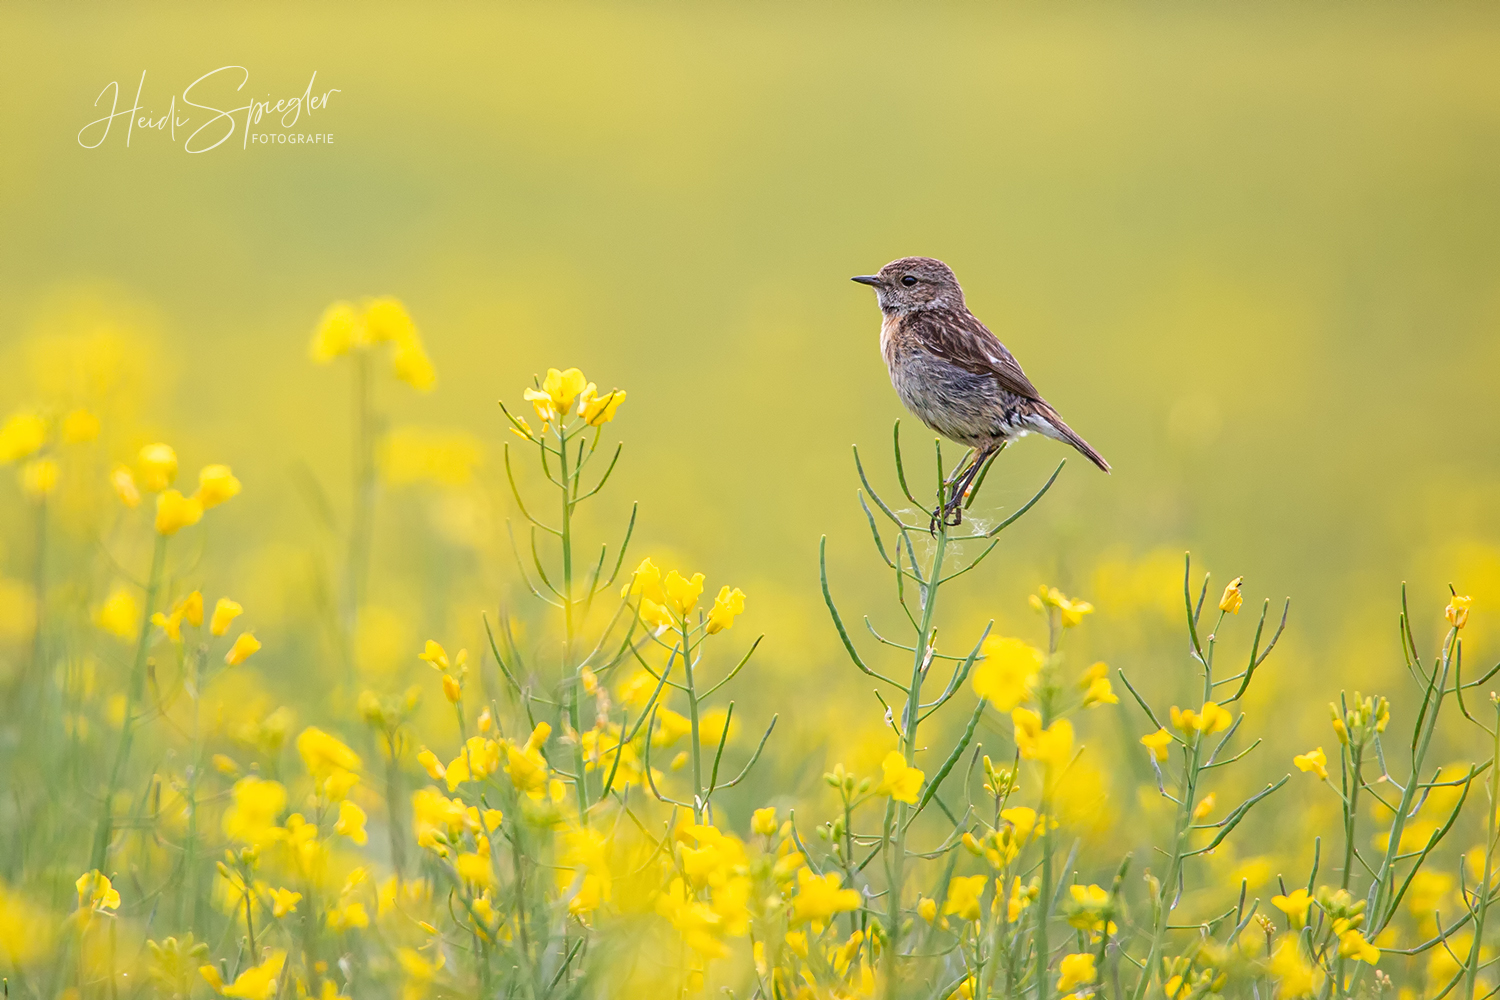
x=361 y=522
x=570 y=626
x=132 y=699
x=897 y=863
x=1473 y=963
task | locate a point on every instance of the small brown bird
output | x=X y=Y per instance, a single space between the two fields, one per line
x=954 y=374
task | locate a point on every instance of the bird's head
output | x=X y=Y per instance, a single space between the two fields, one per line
x=914 y=283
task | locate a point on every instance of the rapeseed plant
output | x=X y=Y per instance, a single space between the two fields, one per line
x=564 y=820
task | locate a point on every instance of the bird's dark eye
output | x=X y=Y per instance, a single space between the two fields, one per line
x=909 y=280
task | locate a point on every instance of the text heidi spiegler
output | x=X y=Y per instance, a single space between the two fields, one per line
x=209 y=112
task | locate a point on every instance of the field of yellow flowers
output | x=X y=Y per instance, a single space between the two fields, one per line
x=591 y=801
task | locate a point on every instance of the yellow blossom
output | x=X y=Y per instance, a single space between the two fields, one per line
x=1075 y=970
x=157 y=465
x=1100 y=692
x=1157 y=743
x=284 y=901
x=819 y=897
x=1052 y=746
x=79 y=427
x=244 y=645
x=1233 y=599
x=123 y=481
x=324 y=755
x=1007 y=674
x=431 y=764
x=259 y=982
x=338 y=330
x=39 y=477
x=1352 y=944
x=1314 y=760
x=763 y=821
x=191 y=608
x=476 y=869
x=120 y=615
x=1457 y=611
x=1211 y=718
x=175 y=512
x=351 y=822
x=1204 y=807
x=901 y=782
x=598 y=410
x=1295 y=906
x=225 y=612
x=215 y=485
x=410 y=363
x=682 y=593
x=727 y=606
x=645 y=582
x=964 y=892
x=96 y=892
x=1070 y=612
x=255 y=808
x=927 y=909
x=21 y=436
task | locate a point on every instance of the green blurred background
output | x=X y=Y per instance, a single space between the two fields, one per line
x=1252 y=253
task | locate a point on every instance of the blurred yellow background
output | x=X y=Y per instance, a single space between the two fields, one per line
x=1251 y=254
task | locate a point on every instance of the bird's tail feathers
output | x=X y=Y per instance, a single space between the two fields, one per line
x=1053 y=426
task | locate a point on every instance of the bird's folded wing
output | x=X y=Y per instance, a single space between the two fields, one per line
x=962 y=340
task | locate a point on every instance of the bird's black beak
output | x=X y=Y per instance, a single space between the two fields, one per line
x=866 y=279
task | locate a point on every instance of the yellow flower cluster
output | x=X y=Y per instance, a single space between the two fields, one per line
x=345 y=328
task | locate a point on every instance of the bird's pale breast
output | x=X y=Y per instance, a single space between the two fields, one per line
x=959 y=404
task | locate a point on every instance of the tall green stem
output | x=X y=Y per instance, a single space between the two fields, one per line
x=897 y=864
x=361 y=521
x=132 y=700
x=1472 y=977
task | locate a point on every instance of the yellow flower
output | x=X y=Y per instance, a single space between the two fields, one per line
x=337 y=332
x=452 y=690
x=412 y=365
x=564 y=387
x=1457 y=611
x=38 y=477
x=1007 y=674
x=284 y=901
x=1076 y=970
x=259 y=982
x=120 y=615
x=1211 y=718
x=22 y=436
x=123 y=481
x=525 y=765
x=175 y=512
x=475 y=869
x=79 y=427
x=964 y=892
x=96 y=892
x=170 y=624
x=215 y=485
x=727 y=606
x=819 y=897
x=324 y=755
x=1206 y=806
x=244 y=645
x=387 y=321
x=1314 y=760
x=1052 y=746
x=901 y=782
x=351 y=822
x=682 y=593
x=431 y=764
x=927 y=909
x=1099 y=692
x=255 y=810
x=225 y=612
x=1352 y=944
x=437 y=657
x=645 y=582
x=1232 y=599
x=1295 y=906
x=157 y=465
x=763 y=822
x=1157 y=743
x=1070 y=612
x=598 y=410
x=191 y=608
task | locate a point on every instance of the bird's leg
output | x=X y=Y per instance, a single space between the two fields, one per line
x=963 y=472
x=954 y=507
